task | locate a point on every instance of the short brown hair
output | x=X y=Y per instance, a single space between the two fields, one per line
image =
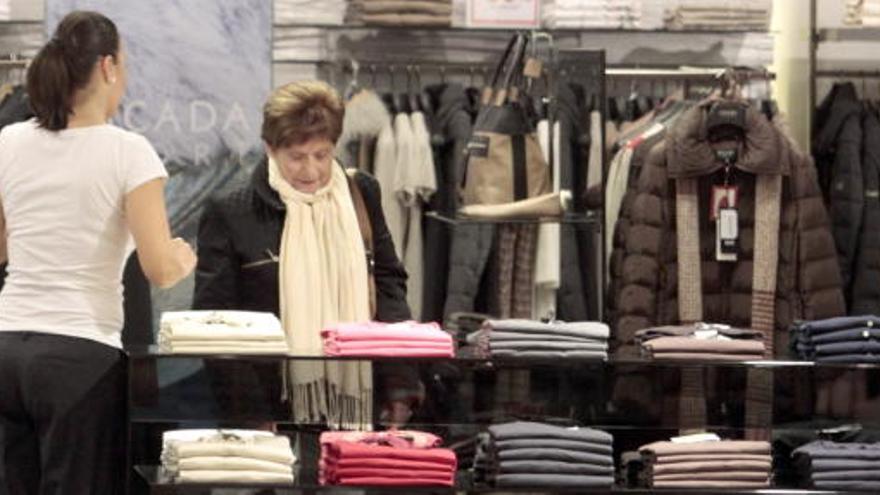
x=300 y=111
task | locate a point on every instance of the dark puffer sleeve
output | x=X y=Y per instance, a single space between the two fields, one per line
x=818 y=274
x=640 y=274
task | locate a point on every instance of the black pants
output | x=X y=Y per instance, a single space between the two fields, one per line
x=62 y=416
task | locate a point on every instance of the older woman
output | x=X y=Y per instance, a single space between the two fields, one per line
x=308 y=242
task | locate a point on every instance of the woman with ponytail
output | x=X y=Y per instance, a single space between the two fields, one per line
x=74 y=191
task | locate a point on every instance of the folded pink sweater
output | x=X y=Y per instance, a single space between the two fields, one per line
x=414 y=352
x=409 y=331
x=413 y=439
x=344 y=450
x=391 y=481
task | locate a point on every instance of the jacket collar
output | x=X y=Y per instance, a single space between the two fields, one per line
x=840 y=104
x=260 y=183
x=690 y=154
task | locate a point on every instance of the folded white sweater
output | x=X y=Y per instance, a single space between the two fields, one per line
x=248 y=444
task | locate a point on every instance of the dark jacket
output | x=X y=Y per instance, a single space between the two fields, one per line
x=450 y=132
x=838 y=157
x=808 y=280
x=238 y=246
x=865 y=290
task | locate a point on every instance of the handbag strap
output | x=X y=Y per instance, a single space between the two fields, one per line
x=366 y=228
x=512 y=59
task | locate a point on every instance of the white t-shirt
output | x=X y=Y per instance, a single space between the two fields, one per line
x=63 y=195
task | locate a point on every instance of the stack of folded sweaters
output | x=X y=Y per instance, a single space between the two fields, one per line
x=399 y=12
x=846 y=339
x=706 y=464
x=830 y=465
x=701 y=342
x=392 y=458
x=863 y=13
x=532 y=339
x=373 y=339
x=592 y=14
x=227 y=456
x=535 y=455
x=733 y=15
x=214 y=332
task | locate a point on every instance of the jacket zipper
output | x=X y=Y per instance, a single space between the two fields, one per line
x=273 y=258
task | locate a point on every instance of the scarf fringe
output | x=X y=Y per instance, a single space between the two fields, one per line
x=320 y=403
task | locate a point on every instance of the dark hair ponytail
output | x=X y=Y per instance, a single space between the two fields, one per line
x=65 y=64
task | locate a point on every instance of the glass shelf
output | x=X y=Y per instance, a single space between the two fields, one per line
x=160 y=484
x=588 y=218
x=153 y=352
x=507 y=31
x=463 y=393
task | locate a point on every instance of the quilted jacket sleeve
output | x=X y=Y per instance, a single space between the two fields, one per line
x=818 y=276
x=217 y=274
x=847 y=195
x=640 y=276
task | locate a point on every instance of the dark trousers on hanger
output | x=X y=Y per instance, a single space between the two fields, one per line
x=62 y=416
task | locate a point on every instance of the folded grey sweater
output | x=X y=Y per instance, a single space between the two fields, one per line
x=525 y=429
x=557 y=455
x=552 y=481
x=552 y=467
x=590 y=330
x=553 y=444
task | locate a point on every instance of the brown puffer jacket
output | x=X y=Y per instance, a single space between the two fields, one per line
x=808 y=281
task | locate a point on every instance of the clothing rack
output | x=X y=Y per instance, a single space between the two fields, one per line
x=14 y=61
x=848 y=74
x=692 y=73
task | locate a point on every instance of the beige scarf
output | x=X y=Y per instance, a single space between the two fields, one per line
x=323 y=280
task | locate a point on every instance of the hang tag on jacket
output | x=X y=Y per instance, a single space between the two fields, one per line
x=722 y=197
x=727 y=235
x=533 y=68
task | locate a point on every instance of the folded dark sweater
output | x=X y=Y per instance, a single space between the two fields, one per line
x=851 y=347
x=499 y=336
x=838 y=323
x=530 y=354
x=520 y=345
x=552 y=481
x=849 y=475
x=589 y=330
x=868 y=486
x=821 y=465
x=524 y=429
x=552 y=443
x=849 y=358
x=825 y=449
x=554 y=455
x=849 y=335
x=553 y=467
